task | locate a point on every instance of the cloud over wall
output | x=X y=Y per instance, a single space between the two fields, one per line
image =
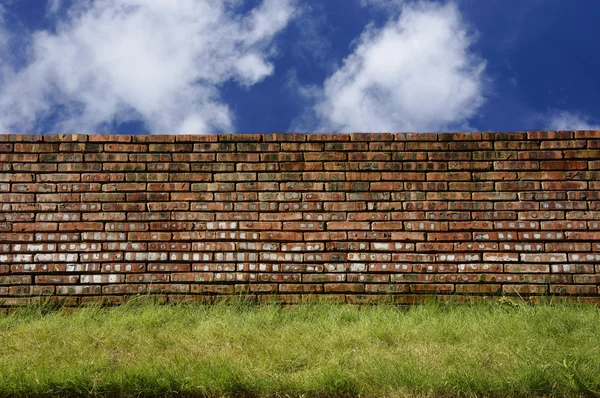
x=159 y=62
x=565 y=120
x=416 y=73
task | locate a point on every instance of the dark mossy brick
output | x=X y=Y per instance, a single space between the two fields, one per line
x=258 y=147
x=120 y=147
x=415 y=136
x=170 y=147
x=109 y=138
x=346 y=146
x=123 y=167
x=328 y=137
x=325 y=156
x=479 y=289
x=65 y=138
x=575 y=154
x=517 y=165
x=282 y=157
x=369 y=156
x=550 y=135
x=284 y=137
x=240 y=137
x=355 y=186
x=38 y=147
x=464 y=156
x=238 y=157
x=91 y=147
x=495 y=155
x=104 y=157
x=387 y=146
x=344 y=287
x=517 y=145
x=173 y=167
x=154 y=138
x=371 y=137
x=287 y=176
x=472 y=166
x=340 y=166
x=388 y=166
x=499 y=136
x=15 y=279
x=213 y=167
x=214 y=147
x=148 y=196
x=302 y=146
x=470 y=146
x=459 y=137
x=321 y=278
x=405 y=156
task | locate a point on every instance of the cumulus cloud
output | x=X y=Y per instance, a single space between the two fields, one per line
x=159 y=62
x=416 y=73
x=564 y=120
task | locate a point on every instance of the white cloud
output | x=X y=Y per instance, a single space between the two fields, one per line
x=565 y=120
x=157 y=61
x=417 y=73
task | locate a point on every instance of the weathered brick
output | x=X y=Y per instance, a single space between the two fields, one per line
x=403 y=216
x=524 y=289
x=578 y=290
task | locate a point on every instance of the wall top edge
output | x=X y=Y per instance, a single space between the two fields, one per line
x=309 y=137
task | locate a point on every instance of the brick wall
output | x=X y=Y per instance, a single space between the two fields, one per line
x=356 y=218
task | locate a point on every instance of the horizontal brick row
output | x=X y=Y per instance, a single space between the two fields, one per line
x=360 y=218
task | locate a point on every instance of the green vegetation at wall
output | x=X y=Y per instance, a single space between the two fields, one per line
x=505 y=348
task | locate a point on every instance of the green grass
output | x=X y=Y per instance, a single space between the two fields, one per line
x=304 y=351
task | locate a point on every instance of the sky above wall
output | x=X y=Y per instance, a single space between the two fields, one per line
x=256 y=66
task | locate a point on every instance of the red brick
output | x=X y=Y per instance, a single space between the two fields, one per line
x=81 y=226
x=587 y=134
x=478 y=289
x=334 y=235
x=109 y=138
x=371 y=212
x=555 y=144
x=524 y=289
x=56 y=279
x=495 y=155
x=550 y=135
x=120 y=147
x=517 y=206
x=522 y=146
x=432 y=288
x=344 y=287
x=35 y=227
x=277 y=235
x=563 y=165
x=149 y=236
x=582 y=154
x=190 y=177
x=471 y=225
x=31 y=167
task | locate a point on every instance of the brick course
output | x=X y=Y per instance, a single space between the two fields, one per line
x=359 y=218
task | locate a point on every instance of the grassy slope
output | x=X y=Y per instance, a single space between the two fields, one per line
x=435 y=350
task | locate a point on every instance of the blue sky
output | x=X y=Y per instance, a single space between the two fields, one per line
x=233 y=66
